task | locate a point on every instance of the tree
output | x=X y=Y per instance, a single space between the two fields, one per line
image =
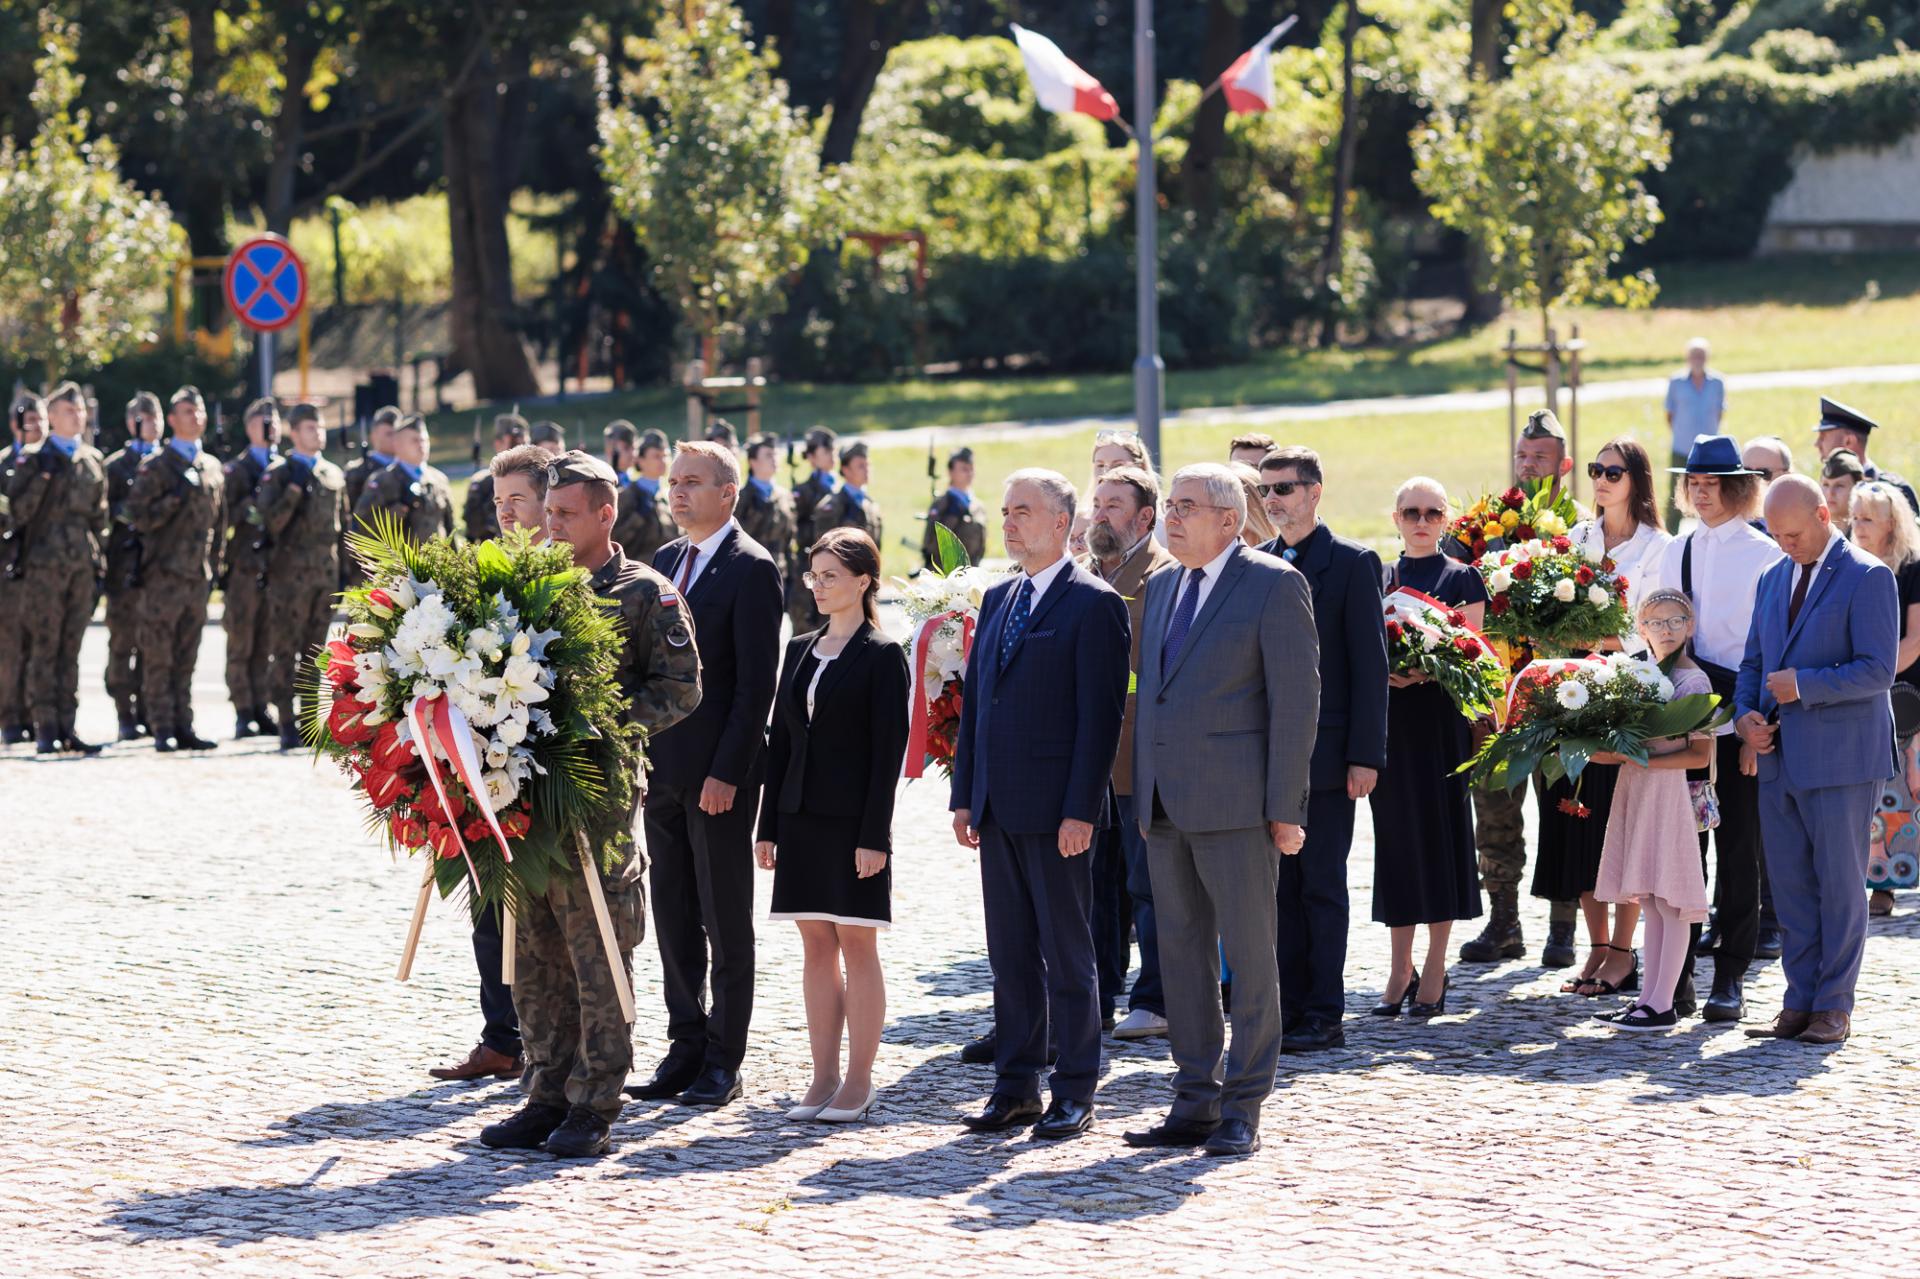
x=717 y=174
x=1343 y=157
x=85 y=250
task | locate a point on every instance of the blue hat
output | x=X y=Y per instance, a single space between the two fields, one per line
x=1713 y=455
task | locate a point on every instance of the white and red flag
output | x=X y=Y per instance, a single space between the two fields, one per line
x=1062 y=85
x=1248 y=83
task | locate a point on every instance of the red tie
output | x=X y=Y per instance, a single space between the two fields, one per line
x=686 y=573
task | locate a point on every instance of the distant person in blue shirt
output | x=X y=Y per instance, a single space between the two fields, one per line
x=1696 y=403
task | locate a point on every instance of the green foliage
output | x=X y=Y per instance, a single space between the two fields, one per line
x=1862 y=29
x=1797 y=51
x=948 y=97
x=718 y=175
x=86 y=254
x=949 y=555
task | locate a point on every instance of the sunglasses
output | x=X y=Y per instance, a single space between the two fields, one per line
x=1614 y=474
x=1279 y=488
x=1420 y=515
x=1116 y=437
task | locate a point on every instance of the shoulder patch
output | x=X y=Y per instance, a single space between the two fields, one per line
x=669 y=596
x=678 y=636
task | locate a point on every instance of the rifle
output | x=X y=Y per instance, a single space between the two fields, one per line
x=21 y=537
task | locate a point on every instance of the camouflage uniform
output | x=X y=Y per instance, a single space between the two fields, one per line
x=642 y=524
x=769 y=521
x=243 y=612
x=578 y=1044
x=58 y=509
x=482 y=521
x=13 y=616
x=424 y=506
x=358 y=472
x=808 y=495
x=179 y=509
x=960 y=512
x=123 y=589
x=839 y=510
x=303 y=510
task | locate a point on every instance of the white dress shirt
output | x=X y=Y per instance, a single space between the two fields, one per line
x=1209 y=576
x=1728 y=560
x=704 y=553
x=1801 y=571
x=1043 y=579
x=1634 y=559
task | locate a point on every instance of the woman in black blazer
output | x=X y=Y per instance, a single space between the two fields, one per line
x=839 y=735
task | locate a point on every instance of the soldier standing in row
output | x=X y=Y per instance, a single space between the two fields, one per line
x=958 y=511
x=124 y=571
x=302 y=505
x=243 y=612
x=850 y=506
x=620 y=443
x=578 y=1043
x=57 y=503
x=411 y=490
x=178 y=507
x=28 y=421
x=645 y=524
x=509 y=431
x=808 y=496
x=765 y=511
x=550 y=436
x=360 y=472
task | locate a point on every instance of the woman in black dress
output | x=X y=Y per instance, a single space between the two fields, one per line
x=839 y=735
x=1423 y=855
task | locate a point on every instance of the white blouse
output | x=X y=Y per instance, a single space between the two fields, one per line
x=813 y=685
x=1634 y=559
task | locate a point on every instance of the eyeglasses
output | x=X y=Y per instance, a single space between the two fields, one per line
x=1184 y=509
x=1279 y=488
x=1418 y=515
x=1614 y=474
x=824 y=581
x=1667 y=625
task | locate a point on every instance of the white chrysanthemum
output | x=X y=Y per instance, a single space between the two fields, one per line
x=512 y=728
x=1571 y=694
x=1597 y=596
x=486 y=642
x=1563 y=590
x=1664 y=688
x=1647 y=673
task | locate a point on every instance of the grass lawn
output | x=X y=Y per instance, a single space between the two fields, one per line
x=1769 y=313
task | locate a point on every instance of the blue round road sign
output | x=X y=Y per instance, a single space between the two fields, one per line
x=266 y=283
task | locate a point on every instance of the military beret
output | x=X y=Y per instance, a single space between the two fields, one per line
x=653 y=439
x=820 y=438
x=619 y=430
x=548 y=433
x=962 y=454
x=1835 y=416
x=1543 y=425
x=721 y=432
x=575 y=467
x=856 y=449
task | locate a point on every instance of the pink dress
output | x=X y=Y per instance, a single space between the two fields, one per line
x=1652 y=848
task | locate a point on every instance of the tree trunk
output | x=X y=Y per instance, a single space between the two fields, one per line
x=1342 y=173
x=481 y=318
x=1485 y=64
x=289 y=132
x=201 y=206
x=871 y=29
x=1200 y=183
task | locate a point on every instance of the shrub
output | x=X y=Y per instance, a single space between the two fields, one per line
x=1797 y=50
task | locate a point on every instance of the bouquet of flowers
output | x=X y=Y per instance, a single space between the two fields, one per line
x=1562 y=711
x=1498 y=520
x=1557 y=597
x=944 y=607
x=1427 y=637
x=473 y=700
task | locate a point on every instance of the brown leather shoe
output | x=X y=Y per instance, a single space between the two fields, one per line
x=482 y=1063
x=1827 y=1028
x=1790 y=1024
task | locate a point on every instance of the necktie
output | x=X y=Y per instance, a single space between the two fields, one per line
x=686 y=571
x=1800 y=593
x=1017 y=620
x=1182 y=619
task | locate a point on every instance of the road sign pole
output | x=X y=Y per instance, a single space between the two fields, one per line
x=264 y=343
x=1148 y=371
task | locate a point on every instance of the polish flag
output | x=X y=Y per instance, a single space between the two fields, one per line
x=1062 y=86
x=1249 y=81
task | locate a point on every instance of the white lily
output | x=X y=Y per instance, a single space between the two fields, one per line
x=365 y=630
x=522 y=680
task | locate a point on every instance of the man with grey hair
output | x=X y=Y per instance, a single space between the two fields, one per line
x=1767 y=456
x=1046 y=684
x=1229 y=694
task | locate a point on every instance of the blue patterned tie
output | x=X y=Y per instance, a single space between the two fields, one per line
x=1017 y=620
x=1182 y=619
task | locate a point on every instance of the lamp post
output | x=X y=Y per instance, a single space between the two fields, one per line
x=1148 y=371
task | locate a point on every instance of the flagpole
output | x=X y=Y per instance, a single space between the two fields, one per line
x=1148 y=371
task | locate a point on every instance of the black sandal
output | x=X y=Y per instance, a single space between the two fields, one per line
x=1572 y=985
x=1630 y=982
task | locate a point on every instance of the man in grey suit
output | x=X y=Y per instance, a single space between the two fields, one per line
x=1229 y=694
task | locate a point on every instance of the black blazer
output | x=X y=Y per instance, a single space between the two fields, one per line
x=736 y=603
x=846 y=761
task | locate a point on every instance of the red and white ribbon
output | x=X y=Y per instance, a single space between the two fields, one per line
x=435 y=718
x=919 y=704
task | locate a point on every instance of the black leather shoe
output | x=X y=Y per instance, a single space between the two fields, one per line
x=716 y=1087
x=1004 y=1112
x=129 y=730
x=289 y=735
x=1171 y=1132
x=670 y=1078
x=14 y=734
x=1313 y=1036
x=1728 y=1002
x=1768 y=944
x=525 y=1129
x=264 y=724
x=188 y=742
x=165 y=744
x=242 y=728
x=45 y=742
x=78 y=747
x=1559 y=951
x=1064 y=1119
x=979 y=1052
x=1709 y=936
x=1233 y=1137
x=583 y=1135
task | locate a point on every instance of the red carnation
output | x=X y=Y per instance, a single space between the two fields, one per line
x=408 y=832
x=443 y=840
x=1523 y=570
x=1498 y=604
x=1620 y=584
x=1583 y=575
x=1524 y=532
x=1513 y=499
x=1562 y=544
x=477 y=831
x=1456 y=618
x=515 y=824
x=347 y=721
x=1467 y=644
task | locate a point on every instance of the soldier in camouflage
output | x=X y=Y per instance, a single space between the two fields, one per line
x=765 y=510
x=301 y=504
x=850 y=506
x=124 y=572
x=57 y=506
x=509 y=432
x=578 y=1043
x=28 y=421
x=959 y=511
x=411 y=490
x=550 y=436
x=243 y=612
x=377 y=458
x=178 y=507
x=644 y=524
x=809 y=495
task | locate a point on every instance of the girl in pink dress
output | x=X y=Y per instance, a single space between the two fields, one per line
x=1652 y=849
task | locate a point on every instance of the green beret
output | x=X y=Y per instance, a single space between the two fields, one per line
x=575 y=467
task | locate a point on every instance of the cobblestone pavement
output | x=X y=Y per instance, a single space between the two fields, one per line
x=210 y=1070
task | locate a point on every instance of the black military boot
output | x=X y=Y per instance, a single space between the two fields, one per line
x=584 y=1135
x=70 y=741
x=525 y=1129
x=242 y=726
x=14 y=734
x=45 y=740
x=1501 y=938
x=1559 y=952
x=289 y=732
x=129 y=728
x=188 y=742
x=264 y=724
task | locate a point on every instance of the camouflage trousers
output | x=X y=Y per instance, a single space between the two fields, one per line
x=299 y=610
x=578 y=1044
x=123 y=652
x=62 y=601
x=173 y=611
x=1499 y=832
x=244 y=616
x=13 y=654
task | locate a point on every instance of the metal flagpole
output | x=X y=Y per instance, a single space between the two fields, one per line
x=1148 y=371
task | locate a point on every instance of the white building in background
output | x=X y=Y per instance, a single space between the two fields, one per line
x=1853 y=200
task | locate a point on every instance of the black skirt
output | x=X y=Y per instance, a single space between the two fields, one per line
x=1423 y=854
x=1569 y=860
x=814 y=877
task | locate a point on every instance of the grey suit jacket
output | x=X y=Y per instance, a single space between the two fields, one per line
x=1225 y=734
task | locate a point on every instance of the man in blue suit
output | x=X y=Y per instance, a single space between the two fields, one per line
x=1812 y=702
x=1045 y=686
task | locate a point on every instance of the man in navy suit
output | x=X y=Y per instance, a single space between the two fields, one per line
x=1045 y=687
x=1349 y=749
x=1811 y=699
x=704 y=788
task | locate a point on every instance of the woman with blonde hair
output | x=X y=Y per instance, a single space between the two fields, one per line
x=1884 y=527
x=1259 y=529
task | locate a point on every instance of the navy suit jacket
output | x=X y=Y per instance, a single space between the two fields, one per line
x=1346 y=581
x=1037 y=738
x=737 y=606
